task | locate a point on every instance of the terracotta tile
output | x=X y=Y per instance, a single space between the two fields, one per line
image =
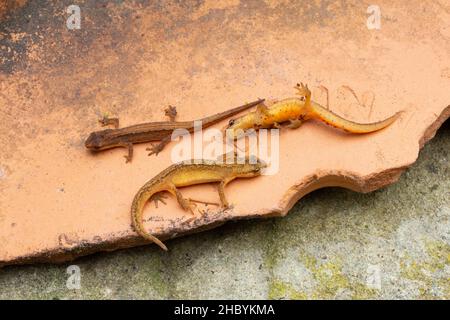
x=58 y=201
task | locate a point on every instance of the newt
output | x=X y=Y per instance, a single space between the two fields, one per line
x=295 y=111
x=151 y=131
x=187 y=173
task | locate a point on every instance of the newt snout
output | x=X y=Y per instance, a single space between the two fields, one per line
x=95 y=141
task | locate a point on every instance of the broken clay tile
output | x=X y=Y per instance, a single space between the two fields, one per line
x=58 y=201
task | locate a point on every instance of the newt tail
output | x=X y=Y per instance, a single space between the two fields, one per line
x=137 y=209
x=336 y=121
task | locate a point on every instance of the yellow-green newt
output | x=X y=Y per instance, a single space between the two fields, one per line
x=189 y=173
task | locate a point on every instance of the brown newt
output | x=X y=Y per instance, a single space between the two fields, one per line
x=151 y=131
x=295 y=111
x=189 y=173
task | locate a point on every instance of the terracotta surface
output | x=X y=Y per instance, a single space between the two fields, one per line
x=58 y=201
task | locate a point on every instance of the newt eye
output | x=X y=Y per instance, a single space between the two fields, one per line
x=231 y=122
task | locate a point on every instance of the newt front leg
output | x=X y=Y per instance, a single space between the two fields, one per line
x=129 y=147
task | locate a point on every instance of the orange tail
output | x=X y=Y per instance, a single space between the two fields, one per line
x=332 y=119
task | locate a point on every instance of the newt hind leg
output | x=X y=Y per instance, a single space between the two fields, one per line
x=171 y=112
x=158 y=147
x=107 y=121
x=303 y=91
x=186 y=203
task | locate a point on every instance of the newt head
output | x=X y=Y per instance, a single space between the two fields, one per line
x=234 y=124
x=97 y=140
x=236 y=127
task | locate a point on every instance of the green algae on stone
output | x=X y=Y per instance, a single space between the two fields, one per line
x=431 y=275
x=330 y=283
x=282 y=290
x=331 y=280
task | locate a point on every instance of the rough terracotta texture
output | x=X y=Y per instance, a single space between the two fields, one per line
x=328 y=247
x=58 y=201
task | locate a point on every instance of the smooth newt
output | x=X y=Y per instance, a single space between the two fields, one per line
x=151 y=131
x=296 y=111
x=189 y=173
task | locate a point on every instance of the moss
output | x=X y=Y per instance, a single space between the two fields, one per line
x=283 y=290
x=331 y=280
x=430 y=274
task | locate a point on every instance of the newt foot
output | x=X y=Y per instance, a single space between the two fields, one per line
x=303 y=90
x=158 y=197
x=155 y=149
x=171 y=112
x=107 y=121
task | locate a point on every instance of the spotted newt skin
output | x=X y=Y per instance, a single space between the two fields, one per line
x=189 y=173
x=296 y=111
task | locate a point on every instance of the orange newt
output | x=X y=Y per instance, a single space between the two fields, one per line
x=296 y=111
